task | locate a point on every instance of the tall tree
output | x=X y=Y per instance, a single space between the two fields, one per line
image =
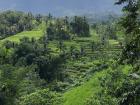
x=131 y=23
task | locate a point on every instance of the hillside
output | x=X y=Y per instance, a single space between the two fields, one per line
x=83 y=72
x=35 y=33
x=46 y=60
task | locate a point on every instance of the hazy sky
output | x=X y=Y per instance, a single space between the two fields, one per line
x=61 y=7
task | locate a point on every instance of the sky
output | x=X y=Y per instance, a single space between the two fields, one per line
x=61 y=7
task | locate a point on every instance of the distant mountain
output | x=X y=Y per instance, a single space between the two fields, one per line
x=61 y=7
x=98 y=17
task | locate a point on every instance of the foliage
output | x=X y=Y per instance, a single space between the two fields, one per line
x=12 y=22
x=58 y=30
x=63 y=29
x=80 y=26
x=65 y=57
x=12 y=82
x=41 y=97
x=131 y=24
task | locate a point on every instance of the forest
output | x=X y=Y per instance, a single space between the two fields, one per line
x=70 y=60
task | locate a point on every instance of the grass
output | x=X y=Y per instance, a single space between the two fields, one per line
x=35 y=33
x=78 y=95
x=29 y=34
x=113 y=42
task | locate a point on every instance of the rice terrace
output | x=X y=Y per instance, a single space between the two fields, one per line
x=76 y=52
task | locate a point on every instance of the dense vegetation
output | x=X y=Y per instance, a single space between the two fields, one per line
x=120 y=86
x=12 y=22
x=64 y=29
x=70 y=61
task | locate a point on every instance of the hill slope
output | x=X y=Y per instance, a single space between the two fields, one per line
x=80 y=94
x=35 y=33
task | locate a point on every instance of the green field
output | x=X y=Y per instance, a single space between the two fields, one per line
x=29 y=34
x=35 y=33
x=80 y=94
x=56 y=56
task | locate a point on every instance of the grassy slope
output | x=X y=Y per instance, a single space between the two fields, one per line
x=36 y=33
x=78 y=95
x=30 y=34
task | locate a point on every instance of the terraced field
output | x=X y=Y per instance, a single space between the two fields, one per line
x=83 y=73
x=79 y=95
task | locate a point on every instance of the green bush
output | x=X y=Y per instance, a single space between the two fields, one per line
x=41 y=97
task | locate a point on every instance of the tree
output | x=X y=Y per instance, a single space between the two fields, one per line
x=50 y=16
x=7 y=84
x=82 y=50
x=122 y=86
x=72 y=48
x=80 y=26
x=41 y=97
x=58 y=31
x=131 y=23
x=50 y=31
x=13 y=22
x=39 y=18
x=48 y=67
x=93 y=46
x=16 y=82
x=61 y=45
